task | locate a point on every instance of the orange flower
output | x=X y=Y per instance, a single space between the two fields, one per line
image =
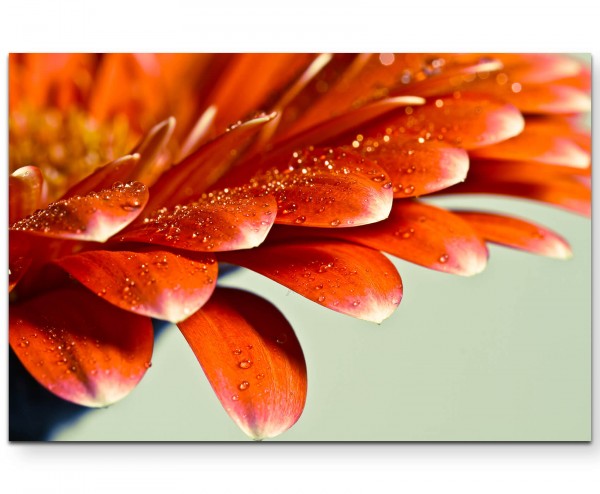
x=309 y=192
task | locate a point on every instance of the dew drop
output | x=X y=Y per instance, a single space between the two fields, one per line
x=237 y=351
x=321 y=298
x=245 y=364
x=260 y=376
x=235 y=397
x=356 y=303
x=444 y=258
x=300 y=219
x=335 y=222
x=244 y=385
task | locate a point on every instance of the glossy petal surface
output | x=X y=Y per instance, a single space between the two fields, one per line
x=25 y=192
x=227 y=220
x=94 y=217
x=467 y=121
x=92 y=356
x=154 y=283
x=517 y=233
x=347 y=278
x=252 y=359
x=328 y=188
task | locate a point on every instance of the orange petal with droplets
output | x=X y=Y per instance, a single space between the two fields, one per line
x=347 y=278
x=25 y=192
x=517 y=233
x=94 y=217
x=105 y=176
x=416 y=232
x=328 y=188
x=80 y=347
x=469 y=121
x=542 y=141
x=416 y=168
x=226 y=220
x=187 y=181
x=252 y=359
x=155 y=283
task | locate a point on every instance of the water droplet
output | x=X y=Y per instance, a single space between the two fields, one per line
x=321 y=298
x=147 y=365
x=244 y=385
x=356 y=303
x=444 y=258
x=237 y=351
x=281 y=339
x=245 y=364
x=335 y=222
x=409 y=189
x=235 y=397
x=300 y=219
x=260 y=376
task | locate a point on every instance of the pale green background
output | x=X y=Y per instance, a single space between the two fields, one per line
x=502 y=356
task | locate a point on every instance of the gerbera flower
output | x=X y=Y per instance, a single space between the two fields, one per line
x=302 y=168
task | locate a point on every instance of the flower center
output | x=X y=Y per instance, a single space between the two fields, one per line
x=66 y=146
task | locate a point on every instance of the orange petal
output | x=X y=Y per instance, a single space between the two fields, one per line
x=154 y=283
x=347 y=278
x=328 y=188
x=542 y=141
x=228 y=220
x=79 y=347
x=252 y=359
x=517 y=233
x=25 y=192
x=572 y=195
x=538 y=68
x=19 y=259
x=152 y=150
x=416 y=168
x=105 y=176
x=325 y=131
x=549 y=98
x=416 y=232
x=187 y=181
x=94 y=217
x=251 y=80
x=465 y=120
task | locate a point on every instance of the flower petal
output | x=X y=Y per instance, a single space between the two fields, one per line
x=25 y=192
x=328 y=188
x=94 y=217
x=416 y=168
x=186 y=181
x=154 y=283
x=517 y=233
x=347 y=278
x=252 y=359
x=105 y=176
x=79 y=347
x=416 y=232
x=152 y=150
x=227 y=220
x=466 y=120
x=542 y=141
x=548 y=98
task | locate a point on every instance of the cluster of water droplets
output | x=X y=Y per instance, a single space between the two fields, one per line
x=72 y=215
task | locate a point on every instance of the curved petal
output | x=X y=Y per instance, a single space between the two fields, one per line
x=252 y=359
x=152 y=149
x=228 y=220
x=24 y=192
x=548 y=98
x=347 y=278
x=517 y=233
x=416 y=168
x=94 y=217
x=542 y=141
x=328 y=188
x=79 y=347
x=105 y=176
x=416 y=232
x=19 y=259
x=186 y=181
x=465 y=120
x=154 y=283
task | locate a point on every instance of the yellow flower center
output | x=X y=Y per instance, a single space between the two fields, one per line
x=66 y=146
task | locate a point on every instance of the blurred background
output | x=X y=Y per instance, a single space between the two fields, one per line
x=502 y=356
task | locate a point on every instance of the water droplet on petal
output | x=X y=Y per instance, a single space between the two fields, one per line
x=237 y=351
x=444 y=258
x=235 y=397
x=244 y=385
x=245 y=364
